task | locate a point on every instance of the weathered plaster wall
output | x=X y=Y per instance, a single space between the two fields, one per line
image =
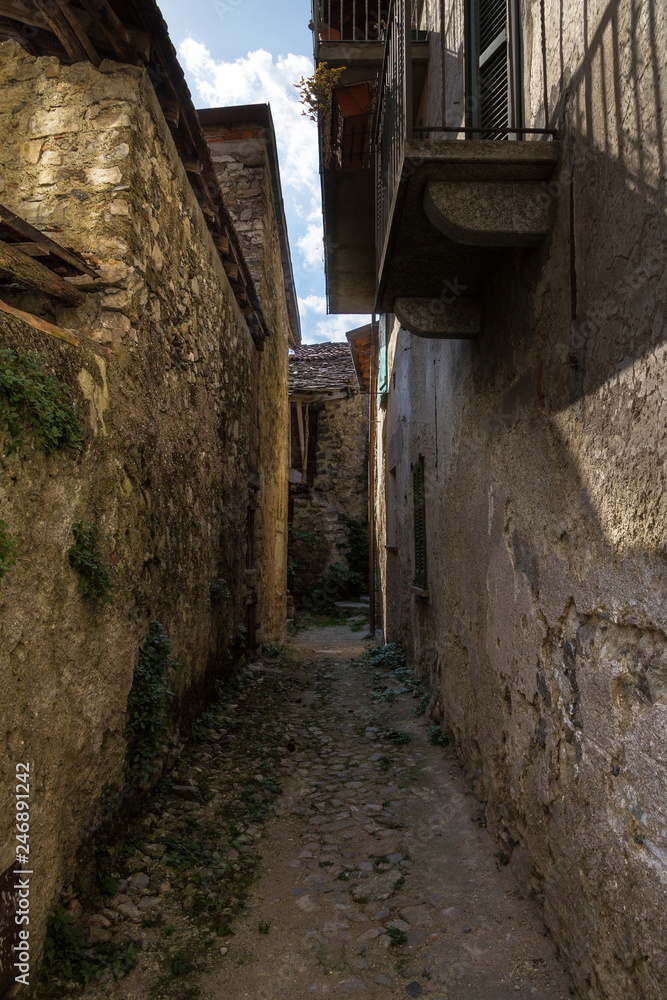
x=339 y=493
x=163 y=467
x=242 y=167
x=545 y=444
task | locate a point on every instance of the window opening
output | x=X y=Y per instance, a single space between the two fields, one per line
x=391 y=509
x=419 y=497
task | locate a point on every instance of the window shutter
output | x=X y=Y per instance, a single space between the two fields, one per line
x=494 y=93
x=419 y=523
x=382 y=358
x=493 y=67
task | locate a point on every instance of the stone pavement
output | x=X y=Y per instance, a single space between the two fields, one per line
x=378 y=880
x=375 y=877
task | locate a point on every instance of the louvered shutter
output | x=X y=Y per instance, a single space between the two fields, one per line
x=493 y=67
x=419 y=496
x=494 y=77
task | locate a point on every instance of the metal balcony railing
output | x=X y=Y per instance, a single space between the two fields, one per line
x=347 y=21
x=394 y=123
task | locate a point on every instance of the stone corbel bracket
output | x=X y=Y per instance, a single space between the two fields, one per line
x=488 y=213
x=440 y=320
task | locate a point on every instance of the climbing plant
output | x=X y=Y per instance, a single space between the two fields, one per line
x=7 y=549
x=94 y=569
x=146 y=725
x=32 y=398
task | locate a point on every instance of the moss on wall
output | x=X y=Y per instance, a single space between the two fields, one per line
x=161 y=468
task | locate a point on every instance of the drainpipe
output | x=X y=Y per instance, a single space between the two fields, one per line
x=371 y=477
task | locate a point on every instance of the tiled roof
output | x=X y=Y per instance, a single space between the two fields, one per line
x=321 y=368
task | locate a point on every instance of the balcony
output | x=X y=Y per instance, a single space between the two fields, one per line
x=449 y=208
x=351 y=34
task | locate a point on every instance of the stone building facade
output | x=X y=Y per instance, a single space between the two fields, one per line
x=328 y=470
x=521 y=439
x=172 y=367
x=242 y=142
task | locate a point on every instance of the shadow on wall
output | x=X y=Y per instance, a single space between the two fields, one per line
x=315 y=590
x=549 y=644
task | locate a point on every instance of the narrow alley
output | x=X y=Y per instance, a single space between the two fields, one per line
x=374 y=874
x=333 y=500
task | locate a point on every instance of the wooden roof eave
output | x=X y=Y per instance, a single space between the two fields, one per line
x=94 y=30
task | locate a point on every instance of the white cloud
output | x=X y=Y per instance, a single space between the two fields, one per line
x=257 y=79
x=313 y=303
x=321 y=328
x=310 y=245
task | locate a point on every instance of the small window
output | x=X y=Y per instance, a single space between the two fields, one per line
x=419 y=496
x=303 y=441
x=391 y=511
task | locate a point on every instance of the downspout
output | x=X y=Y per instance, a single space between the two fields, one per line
x=371 y=478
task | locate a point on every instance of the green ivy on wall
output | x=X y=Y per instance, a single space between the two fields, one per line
x=31 y=398
x=146 y=725
x=94 y=569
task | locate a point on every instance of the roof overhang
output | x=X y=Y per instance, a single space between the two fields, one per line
x=360 y=341
x=261 y=114
x=134 y=32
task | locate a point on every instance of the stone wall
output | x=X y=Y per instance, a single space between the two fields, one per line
x=339 y=492
x=163 y=465
x=545 y=631
x=245 y=173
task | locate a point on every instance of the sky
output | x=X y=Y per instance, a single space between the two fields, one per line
x=253 y=52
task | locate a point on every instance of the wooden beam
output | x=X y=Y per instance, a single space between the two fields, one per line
x=171 y=109
x=40 y=324
x=306 y=428
x=114 y=30
x=31 y=249
x=25 y=13
x=231 y=270
x=302 y=445
x=10 y=29
x=62 y=29
x=30 y=272
x=221 y=241
x=22 y=228
x=79 y=30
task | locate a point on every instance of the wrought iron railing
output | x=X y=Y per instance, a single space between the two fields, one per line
x=394 y=123
x=347 y=21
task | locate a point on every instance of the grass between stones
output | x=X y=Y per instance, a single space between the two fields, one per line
x=168 y=891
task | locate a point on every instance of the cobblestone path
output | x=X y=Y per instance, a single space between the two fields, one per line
x=376 y=876
x=378 y=880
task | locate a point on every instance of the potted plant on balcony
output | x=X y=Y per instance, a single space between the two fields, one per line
x=315 y=91
x=326 y=32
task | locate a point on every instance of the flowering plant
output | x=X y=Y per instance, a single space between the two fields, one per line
x=315 y=91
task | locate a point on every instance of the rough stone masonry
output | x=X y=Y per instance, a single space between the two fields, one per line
x=163 y=469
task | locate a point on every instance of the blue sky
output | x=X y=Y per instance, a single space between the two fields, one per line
x=250 y=52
